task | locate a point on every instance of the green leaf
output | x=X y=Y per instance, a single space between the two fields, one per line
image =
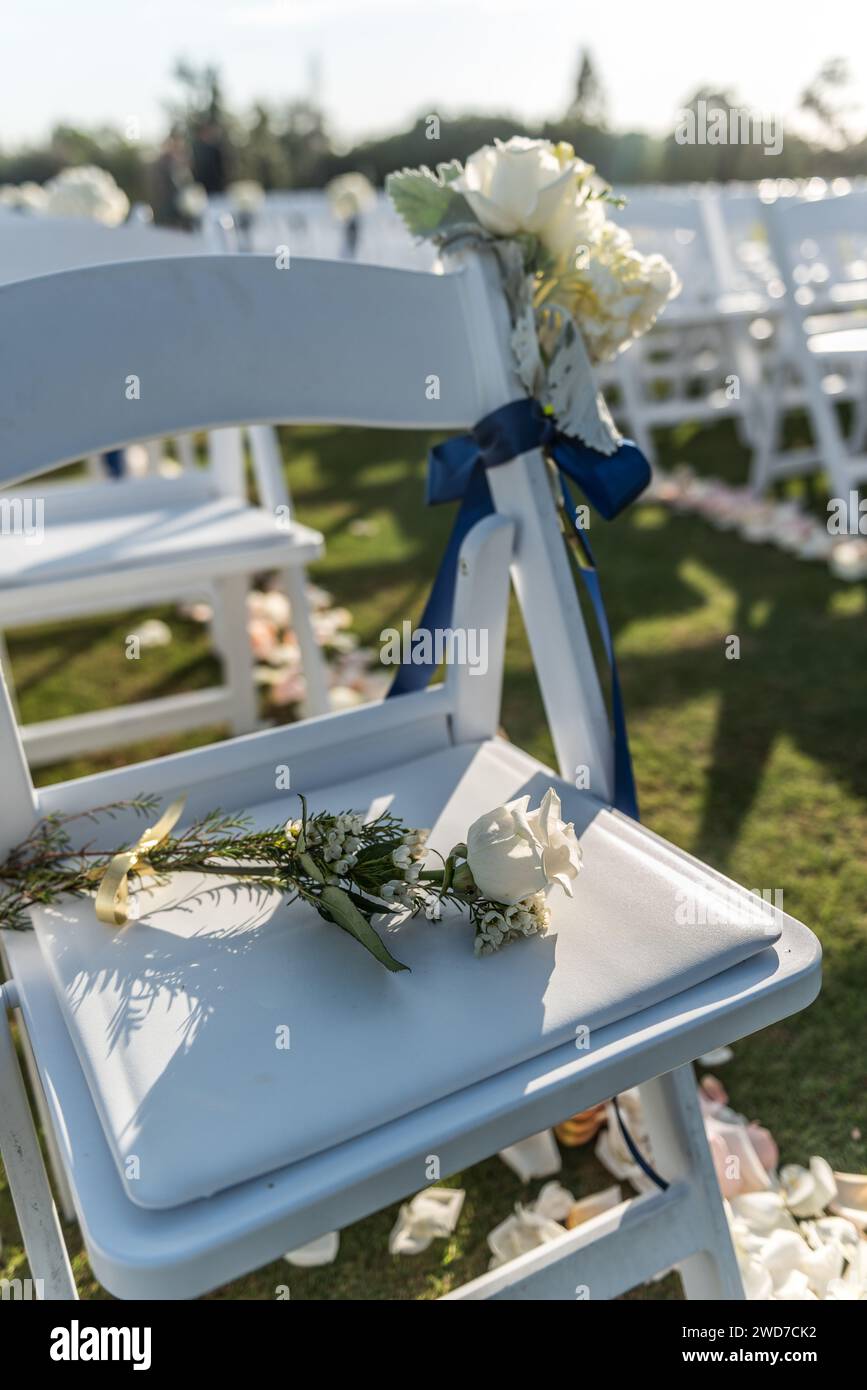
x=421 y=199
x=449 y=172
x=448 y=873
x=342 y=910
x=310 y=868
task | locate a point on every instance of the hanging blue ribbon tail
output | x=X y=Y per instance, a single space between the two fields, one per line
x=457 y=470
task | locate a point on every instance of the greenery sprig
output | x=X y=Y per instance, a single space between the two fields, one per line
x=350 y=870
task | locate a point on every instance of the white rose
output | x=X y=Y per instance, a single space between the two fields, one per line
x=513 y=854
x=522 y=186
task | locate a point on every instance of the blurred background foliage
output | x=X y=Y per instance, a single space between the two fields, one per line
x=291 y=145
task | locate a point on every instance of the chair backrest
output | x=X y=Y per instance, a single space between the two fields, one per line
x=803 y=235
x=106 y=355
x=227 y=340
x=31 y=244
x=674 y=222
x=820 y=245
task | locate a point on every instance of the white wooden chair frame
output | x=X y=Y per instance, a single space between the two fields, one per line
x=370 y=321
x=35 y=246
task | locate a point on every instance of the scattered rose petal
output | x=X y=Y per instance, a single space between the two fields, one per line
x=322 y=1251
x=536 y=1157
x=431 y=1215
x=717 y=1057
x=554 y=1201
x=523 y=1231
x=591 y=1206
x=152 y=633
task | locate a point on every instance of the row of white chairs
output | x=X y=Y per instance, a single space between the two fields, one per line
x=772 y=316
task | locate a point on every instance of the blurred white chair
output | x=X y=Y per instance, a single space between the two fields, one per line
x=106 y=546
x=451 y=1062
x=820 y=247
x=302 y=220
x=698 y=363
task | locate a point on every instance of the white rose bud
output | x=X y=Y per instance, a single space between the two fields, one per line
x=514 y=854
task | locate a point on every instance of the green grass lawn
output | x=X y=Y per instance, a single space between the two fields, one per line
x=758 y=765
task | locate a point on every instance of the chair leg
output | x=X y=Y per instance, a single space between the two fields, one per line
x=231 y=603
x=6 y=668
x=629 y=380
x=768 y=433
x=315 y=674
x=28 y=1181
x=681 y=1153
x=55 y=1164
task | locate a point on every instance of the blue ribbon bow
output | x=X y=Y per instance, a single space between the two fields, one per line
x=457 y=470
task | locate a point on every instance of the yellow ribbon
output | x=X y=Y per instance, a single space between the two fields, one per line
x=112 y=896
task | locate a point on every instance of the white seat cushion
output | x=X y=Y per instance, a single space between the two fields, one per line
x=175 y=1019
x=80 y=542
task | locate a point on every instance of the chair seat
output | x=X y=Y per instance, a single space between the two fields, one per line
x=81 y=541
x=715 y=309
x=845 y=342
x=175 y=1018
x=180 y=1253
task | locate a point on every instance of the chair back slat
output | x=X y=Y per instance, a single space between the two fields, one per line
x=99 y=357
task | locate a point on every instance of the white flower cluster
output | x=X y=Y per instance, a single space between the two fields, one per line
x=532 y=917
x=408 y=858
x=620 y=293
x=28 y=197
x=79 y=191
x=339 y=845
x=532 y=186
x=576 y=261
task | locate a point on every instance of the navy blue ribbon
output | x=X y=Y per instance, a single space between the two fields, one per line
x=457 y=470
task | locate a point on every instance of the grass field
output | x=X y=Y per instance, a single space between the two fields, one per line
x=758 y=765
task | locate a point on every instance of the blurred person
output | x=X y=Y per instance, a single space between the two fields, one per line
x=171 y=171
x=209 y=157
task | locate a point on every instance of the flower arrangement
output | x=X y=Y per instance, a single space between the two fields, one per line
x=578 y=290
x=352 y=871
x=349 y=195
x=82 y=190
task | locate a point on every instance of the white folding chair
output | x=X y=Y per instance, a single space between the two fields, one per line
x=108 y=546
x=820 y=247
x=156 y=1044
x=698 y=363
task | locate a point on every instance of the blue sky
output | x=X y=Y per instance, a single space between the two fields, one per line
x=382 y=61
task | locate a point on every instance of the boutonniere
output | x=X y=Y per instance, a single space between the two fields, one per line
x=351 y=870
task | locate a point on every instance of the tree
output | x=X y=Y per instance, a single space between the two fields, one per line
x=202 y=94
x=590 y=103
x=823 y=100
